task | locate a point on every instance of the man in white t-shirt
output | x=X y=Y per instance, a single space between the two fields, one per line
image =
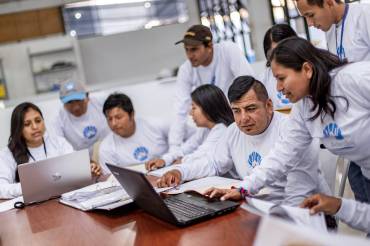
x=81 y=120
x=207 y=63
x=132 y=140
x=346 y=26
x=247 y=141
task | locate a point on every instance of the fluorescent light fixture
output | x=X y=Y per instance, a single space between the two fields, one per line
x=78 y=15
x=73 y=33
x=104 y=2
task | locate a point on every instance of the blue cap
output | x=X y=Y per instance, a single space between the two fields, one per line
x=71 y=91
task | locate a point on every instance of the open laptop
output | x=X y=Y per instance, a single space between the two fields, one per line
x=49 y=178
x=182 y=209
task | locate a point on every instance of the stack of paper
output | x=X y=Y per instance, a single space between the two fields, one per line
x=104 y=195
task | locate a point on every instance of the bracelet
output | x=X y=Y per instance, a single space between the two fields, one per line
x=243 y=192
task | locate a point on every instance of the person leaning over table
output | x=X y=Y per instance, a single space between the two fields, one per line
x=207 y=63
x=245 y=144
x=347 y=30
x=29 y=142
x=332 y=104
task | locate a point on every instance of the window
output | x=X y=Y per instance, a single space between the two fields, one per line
x=228 y=20
x=105 y=17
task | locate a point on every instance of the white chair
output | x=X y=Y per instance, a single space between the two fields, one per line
x=328 y=166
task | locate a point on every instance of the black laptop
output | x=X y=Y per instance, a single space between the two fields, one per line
x=181 y=209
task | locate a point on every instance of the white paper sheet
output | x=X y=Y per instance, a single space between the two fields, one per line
x=201 y=185
x=159 y=172
x=299 y=215
x=138 y=167
x=291 y=234
x=8 y=205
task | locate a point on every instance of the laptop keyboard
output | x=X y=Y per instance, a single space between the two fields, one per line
x=186 y=209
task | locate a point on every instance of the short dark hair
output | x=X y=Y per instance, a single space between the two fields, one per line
x=276 y=33
x=214 y=104
x=319 y=3
x=243 y=84
x=119 y=100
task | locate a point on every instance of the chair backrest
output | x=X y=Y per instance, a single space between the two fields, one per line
x=329 y=164
x=328 y=167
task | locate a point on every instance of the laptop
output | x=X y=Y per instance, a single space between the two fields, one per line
x=181 y=209
x=49 y=178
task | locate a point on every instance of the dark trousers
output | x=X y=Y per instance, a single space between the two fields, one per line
x=360 y=185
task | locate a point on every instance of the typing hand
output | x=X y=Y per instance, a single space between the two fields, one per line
x=169 y=179
x=322 y=203
x=95 y=168
x=224 y=194
x=154 y=164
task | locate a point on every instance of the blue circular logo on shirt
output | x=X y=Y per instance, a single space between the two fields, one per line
x=141 y=153
x=254 y=159
x=282 y=98
x=333 y=130
x=90 y=132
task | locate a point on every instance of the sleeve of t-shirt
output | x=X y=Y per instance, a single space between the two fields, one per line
x=355 y=214
x=238 y=62
x=64 y=146
x=8 y=189
x=106 y=155
x=182 y=105
x=57 y=124
x=186 y=148
x=284 y=155
x=215 y=164
x=208 y=145
x=364 y=25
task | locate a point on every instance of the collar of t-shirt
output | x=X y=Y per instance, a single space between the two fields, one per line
x=37 y=153
x=207 y=73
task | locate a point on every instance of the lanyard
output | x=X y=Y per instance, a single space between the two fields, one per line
x=45 y=151
x=340 y=50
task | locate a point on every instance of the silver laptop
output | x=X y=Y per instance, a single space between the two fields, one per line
x=49 y=178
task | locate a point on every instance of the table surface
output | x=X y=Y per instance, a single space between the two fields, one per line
x=52 y=223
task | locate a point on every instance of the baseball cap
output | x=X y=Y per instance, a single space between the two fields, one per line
x=71 y=90
x=196 y=35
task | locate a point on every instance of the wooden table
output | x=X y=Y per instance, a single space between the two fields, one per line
x=52 y=223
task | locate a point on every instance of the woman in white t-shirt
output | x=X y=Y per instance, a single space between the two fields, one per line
x=28 y=142
x=212 y=114
x=275 y=34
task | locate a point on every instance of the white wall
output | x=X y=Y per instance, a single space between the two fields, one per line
x=135 y=56
x=151 y=99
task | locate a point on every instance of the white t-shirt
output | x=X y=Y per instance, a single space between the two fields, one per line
x=346 y=135
x=228 y=63
x=355 y=214
x=236 y=150
x=149 y=141
x=198 y=145
x=356 y=35
x=54 y=146
x=82 y=132
x=278 y=98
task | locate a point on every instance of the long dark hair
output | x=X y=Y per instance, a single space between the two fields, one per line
x=293 y=53
x=275 y=34
x=16 y=143
x=213 y=103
